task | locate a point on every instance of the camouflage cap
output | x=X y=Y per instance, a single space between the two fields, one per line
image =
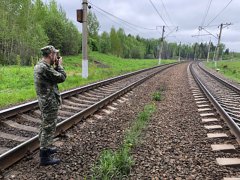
x=48 y=49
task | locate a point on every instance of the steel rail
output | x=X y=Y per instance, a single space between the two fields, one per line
x=6 y=113
x=231 y=86
x=235 y=130
x=13 y=155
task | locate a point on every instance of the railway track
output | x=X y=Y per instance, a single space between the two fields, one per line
x=19 y=125
x=217 y=101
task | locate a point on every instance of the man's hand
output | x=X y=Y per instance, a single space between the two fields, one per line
x=60 y=61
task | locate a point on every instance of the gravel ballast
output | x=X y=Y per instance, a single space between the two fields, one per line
x=82 y=145
x=173 y=146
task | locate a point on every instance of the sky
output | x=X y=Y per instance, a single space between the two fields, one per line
x=142 y=18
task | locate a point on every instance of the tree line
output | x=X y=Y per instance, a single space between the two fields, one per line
x=28 y=25
x=128 y=46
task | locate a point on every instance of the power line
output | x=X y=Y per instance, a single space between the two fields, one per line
x=121 y=24
x=127 y=26
x=167 y=12
x=210 y=33
x=206 y=12
x=216 y=25
x=158 y=13
x=219 y=12
x=134 y=25
x=171 y=32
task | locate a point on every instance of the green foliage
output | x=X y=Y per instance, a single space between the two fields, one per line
x=18 y=60
x=32 y=62
x=113 y=164
x=28 y=25
x=93 y=24
x=93 y=28
x=117 y=165
x=115 y=43
x=104 y=44
x=229 y=69
x=132 y=136
x=157 y=96
x=17 y=82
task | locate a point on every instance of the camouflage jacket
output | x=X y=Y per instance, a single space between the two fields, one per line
x=46 y=79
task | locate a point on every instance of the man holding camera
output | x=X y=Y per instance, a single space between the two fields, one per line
x=48 y=72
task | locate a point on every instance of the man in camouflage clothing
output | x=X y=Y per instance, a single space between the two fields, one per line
x=47 y=74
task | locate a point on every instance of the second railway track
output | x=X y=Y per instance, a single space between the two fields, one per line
x=219 y=106
x=19 y=125
x=225 y=96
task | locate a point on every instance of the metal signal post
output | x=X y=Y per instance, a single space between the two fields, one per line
x=84 y=40
x=82 y=18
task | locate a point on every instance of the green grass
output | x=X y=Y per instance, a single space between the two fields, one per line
x=117 y=165
x=230 y=69
x=16 y=82
x=157 y=96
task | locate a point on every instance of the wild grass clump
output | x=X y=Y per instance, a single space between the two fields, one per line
x=157 y=96
x=117 y=165
x=113 y=164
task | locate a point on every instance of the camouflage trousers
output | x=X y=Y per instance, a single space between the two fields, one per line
x=47 y=128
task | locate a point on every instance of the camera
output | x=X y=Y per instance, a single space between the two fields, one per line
x=58 y=55
x=57 y=60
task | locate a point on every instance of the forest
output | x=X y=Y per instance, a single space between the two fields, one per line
x=28 y=25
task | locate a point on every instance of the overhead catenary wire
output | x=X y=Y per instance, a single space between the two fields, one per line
x=210 y=33
x=219 y=12
x=159 y=14
x=168 y=15
x=170 y=29
x=131 y=24
x=126 y=23
x=202 y=27
x=206 y=13
x=215 y=25
x=121 y=25
x=171 y=32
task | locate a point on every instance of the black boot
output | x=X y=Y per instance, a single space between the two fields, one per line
x=45 y=158
x=52 y=150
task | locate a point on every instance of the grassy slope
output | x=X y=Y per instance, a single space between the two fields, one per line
x=16 y=83
x=230 y=69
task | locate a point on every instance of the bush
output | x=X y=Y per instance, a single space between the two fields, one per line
x=157 y=96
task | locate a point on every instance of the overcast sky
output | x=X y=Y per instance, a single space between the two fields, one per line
x=188 y=15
